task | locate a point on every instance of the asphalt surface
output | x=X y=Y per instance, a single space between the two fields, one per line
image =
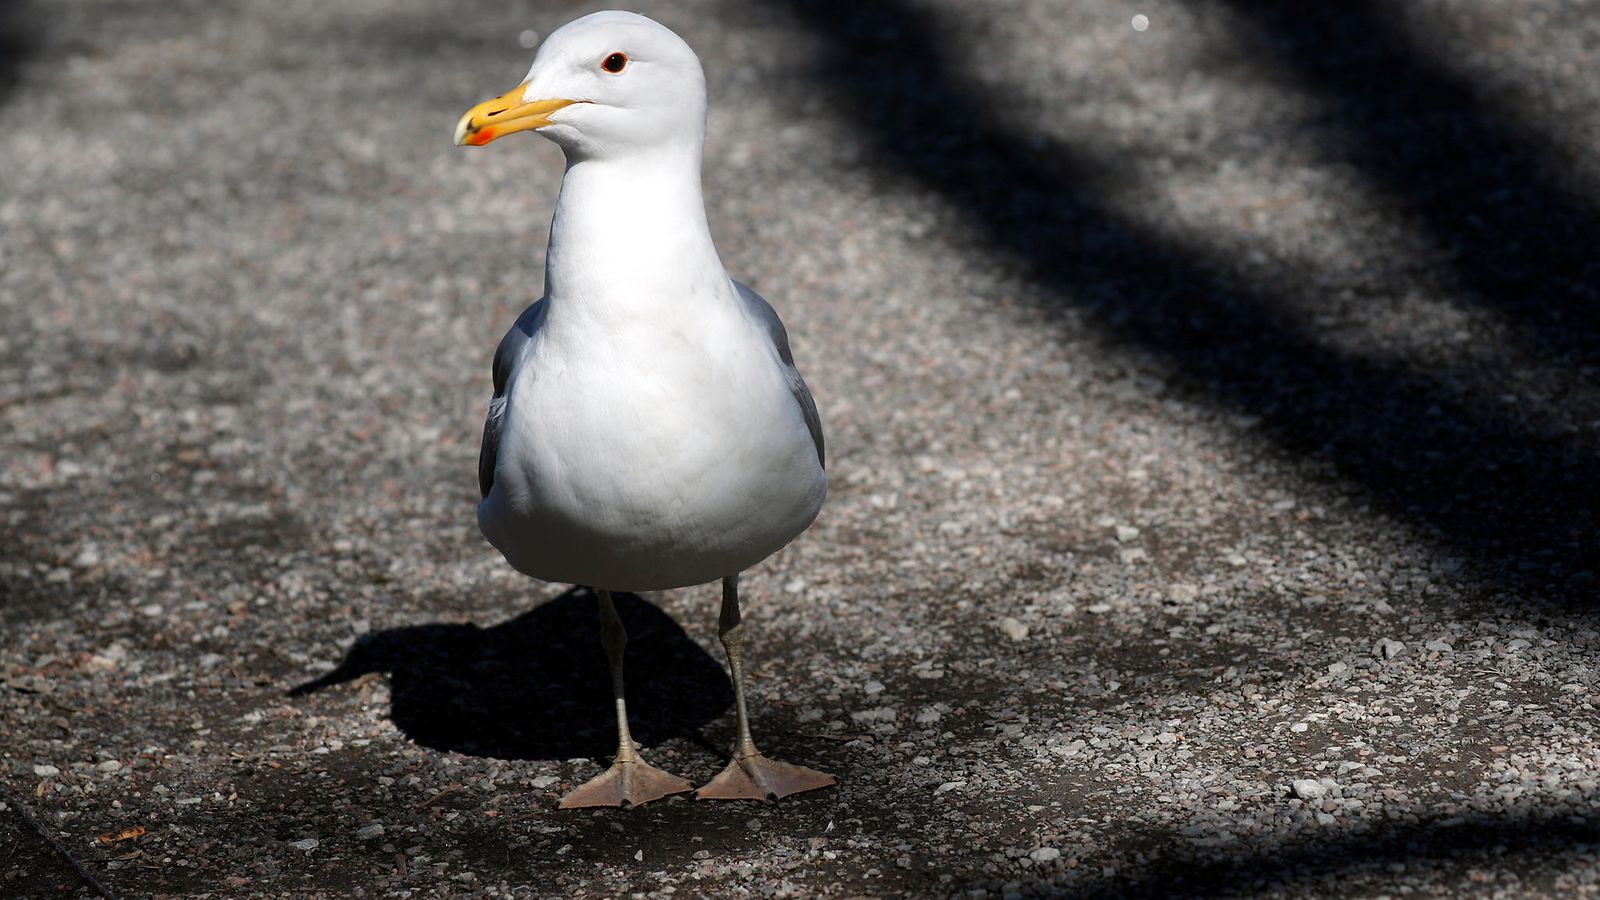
x=1213 y=413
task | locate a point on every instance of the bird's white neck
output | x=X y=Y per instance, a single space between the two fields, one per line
x=630 y=237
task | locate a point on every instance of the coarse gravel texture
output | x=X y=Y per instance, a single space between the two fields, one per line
x=1213 y=415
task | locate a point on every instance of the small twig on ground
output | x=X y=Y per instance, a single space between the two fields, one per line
x=450 y=789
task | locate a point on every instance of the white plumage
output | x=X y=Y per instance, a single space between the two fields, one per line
x=649 y=429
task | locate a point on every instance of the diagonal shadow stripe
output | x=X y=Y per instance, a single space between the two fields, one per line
x=1514 y=499
x=1487 y=191
x=1527 y=840
x=19 y=39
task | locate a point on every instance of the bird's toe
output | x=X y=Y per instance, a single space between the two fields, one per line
x=632 y=783
x=759 y=778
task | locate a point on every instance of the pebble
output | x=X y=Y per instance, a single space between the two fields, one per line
x=307 y=844
x=1308 y=789
x=1126 y=533
x=44 y=770
x=1044 y=854
x=1389 y=649
x=1438 y=647
x=1011 y=628
x=368 y=832
x=543 y=781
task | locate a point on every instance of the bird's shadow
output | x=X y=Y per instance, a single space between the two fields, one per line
x=538 y=686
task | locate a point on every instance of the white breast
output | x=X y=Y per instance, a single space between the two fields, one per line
x=650 y=454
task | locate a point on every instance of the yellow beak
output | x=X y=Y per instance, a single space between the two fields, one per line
x=504 y=115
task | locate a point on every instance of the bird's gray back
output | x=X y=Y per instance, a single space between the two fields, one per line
x=505 y=360
x=762 y=311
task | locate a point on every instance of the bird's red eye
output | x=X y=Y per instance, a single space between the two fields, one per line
x=614 y=63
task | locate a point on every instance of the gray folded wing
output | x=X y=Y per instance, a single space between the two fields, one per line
x=763 y=312
x=506 y=357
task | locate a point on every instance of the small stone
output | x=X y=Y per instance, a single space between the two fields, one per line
x=307 y=844
x=872 y=687
x=1308 y=789
x=1044 y=854
x=880 y=714
x=1099 y=608
x=1012 y=628
x=1126 y=533
x=368 y=832
x=1182 y=593
x=1437 y=647
x=1336 y=668
x=1389 y=649
x=45 y=770
x=903 y=861
x=109 y=765
x=1299 y=727
x=544 y=781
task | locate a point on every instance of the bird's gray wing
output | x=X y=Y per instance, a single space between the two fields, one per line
x=506 y=357
x=762 y=312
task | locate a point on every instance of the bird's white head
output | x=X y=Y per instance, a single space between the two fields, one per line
x=608 y=84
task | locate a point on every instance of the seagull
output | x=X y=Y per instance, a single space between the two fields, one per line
x=649 y=429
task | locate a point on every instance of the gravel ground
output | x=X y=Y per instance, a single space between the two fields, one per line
x=1213 y=418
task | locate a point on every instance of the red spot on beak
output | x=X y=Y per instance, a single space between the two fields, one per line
x=481 y=137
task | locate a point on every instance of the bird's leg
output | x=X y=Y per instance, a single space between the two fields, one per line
x=630 y=781
x=751 y=776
